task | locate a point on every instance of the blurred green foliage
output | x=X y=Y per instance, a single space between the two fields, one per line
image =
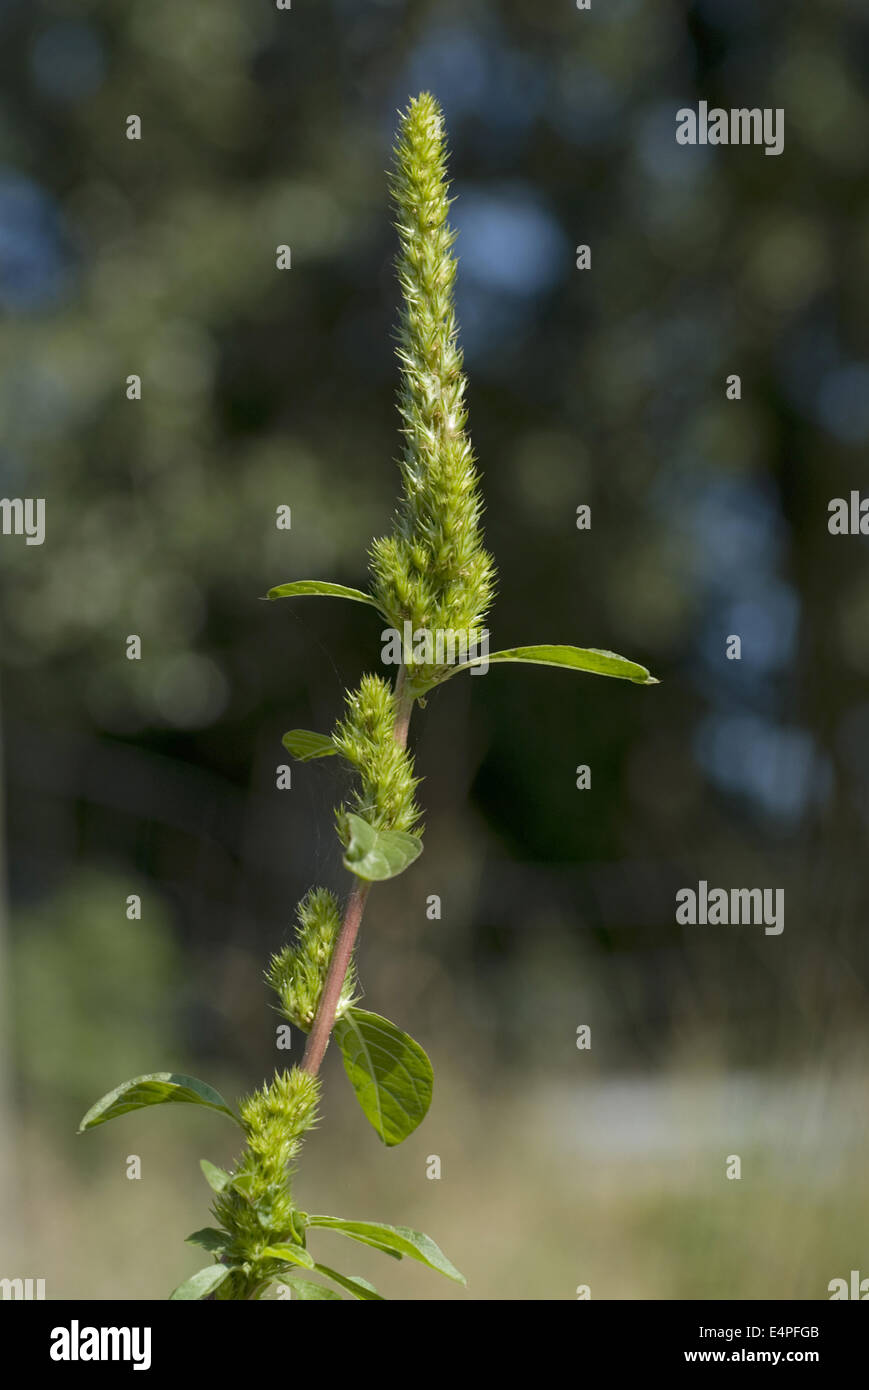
x=86 y=996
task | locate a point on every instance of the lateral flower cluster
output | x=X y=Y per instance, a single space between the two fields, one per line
x=297 y=973
x=366 y=740
x=257 y=1209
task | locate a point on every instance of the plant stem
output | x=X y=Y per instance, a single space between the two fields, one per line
x=403 y=706
x=318 y=1038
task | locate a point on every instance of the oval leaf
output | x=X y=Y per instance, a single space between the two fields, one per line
x=389 y=1072
x=591 y=659
x=377 y=854
x=210 y=1239
x=302 y=588
x=156 y=1088
x=204 y=1282
x=307 y=1289
x=305 y=745
x=378 y=1245
x=399 y=1239
x=242 y=1183
x=302 y=1217
x=354 y=1283
x=217 y=1178
x=293 y=1254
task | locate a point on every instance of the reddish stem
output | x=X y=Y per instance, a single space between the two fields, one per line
x=318 y=1038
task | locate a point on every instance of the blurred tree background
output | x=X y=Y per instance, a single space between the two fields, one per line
x=264 y=388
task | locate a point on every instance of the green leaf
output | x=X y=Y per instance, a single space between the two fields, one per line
x=297 y=1224
x=354 y=1283
x=303 y=587
x=591 y=659
x=293 y=1254
x=210 y=1239
x=377 y=854
x=389 y=1072
x=243 y=1183
x=378 y=1245
x=399 y=1239
x=302 y=1218
x=217 y=1178
x=307 y=1289
x=204 y=1282
x=156 y=1088
x=305 y=745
